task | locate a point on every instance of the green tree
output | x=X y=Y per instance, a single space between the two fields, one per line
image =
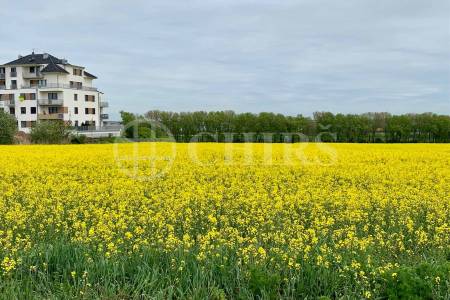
x=8 y=128
x=350 y=128
x=50 y=132
x=127 y=119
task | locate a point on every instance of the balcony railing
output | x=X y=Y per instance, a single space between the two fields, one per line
x=104 y=116
x=104 y=104
x=12 y=87
x=13 y=74
x=98 y=128
x=10 y=102
x=59 y=86
x=2 y=75
x=33 y=75
x=51 y=116
x=55 y=102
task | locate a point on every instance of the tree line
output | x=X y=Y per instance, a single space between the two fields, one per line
x=229 y=126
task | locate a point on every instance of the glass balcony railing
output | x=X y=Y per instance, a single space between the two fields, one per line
x=51 y=116
x=56 y=102
x=33 y=75
x=9 y=102
x=59 y=86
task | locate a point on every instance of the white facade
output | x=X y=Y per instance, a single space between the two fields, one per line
x=42 y=87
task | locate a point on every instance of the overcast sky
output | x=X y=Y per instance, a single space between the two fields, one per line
x=283 y=56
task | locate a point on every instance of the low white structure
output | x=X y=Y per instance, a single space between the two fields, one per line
x=42 y=87
x=100 y=132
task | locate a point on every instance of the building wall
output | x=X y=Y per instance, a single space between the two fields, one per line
x=67 y=94
x=81 y=104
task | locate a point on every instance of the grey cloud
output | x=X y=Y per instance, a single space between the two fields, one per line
x=248 y=55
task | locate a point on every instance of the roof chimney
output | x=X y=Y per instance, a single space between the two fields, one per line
x=19 y=56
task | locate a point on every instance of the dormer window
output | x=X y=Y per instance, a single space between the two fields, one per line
x=32 y=69
x=77 y=72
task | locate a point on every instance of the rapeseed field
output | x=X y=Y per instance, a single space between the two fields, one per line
x=225 y=221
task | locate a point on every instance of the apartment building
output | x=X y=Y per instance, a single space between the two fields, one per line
x=39 y=87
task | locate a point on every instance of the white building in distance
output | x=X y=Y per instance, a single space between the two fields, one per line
x=42 y=87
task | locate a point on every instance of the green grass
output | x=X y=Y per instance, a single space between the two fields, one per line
x=159 y=275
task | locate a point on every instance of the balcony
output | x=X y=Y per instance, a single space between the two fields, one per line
x=104 y=104
x=9 y=102
x=58 y=86
x=33 y=75
x=13 y=74
x=2 y=87
x=104 y=116
x=51 y=116
x=52 y=102
x=2 y=75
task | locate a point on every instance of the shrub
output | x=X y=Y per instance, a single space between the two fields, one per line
x=8 y=128
x=50 y=132
x=78 y=139
x=424 y=281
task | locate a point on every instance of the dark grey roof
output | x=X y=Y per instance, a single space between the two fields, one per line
x=37 y=59
x=53 y=68
x=87 y=74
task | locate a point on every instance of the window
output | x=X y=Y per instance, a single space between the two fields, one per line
x=76 y=110
x=76 y=123
x=52 y=96
x=77 y=72
x=23 y=124
x=33 y=110
x=75 y=97
x=89 y=98
x=23 y=110
x=53 y=110
x=89 y=111
x=7 y=97
x=76 y=85
x=12 y=110
x=28 y=96
x=32 y=69
x=13 y=72
x=13 y=84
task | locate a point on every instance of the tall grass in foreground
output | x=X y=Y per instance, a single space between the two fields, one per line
x=64 y=270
